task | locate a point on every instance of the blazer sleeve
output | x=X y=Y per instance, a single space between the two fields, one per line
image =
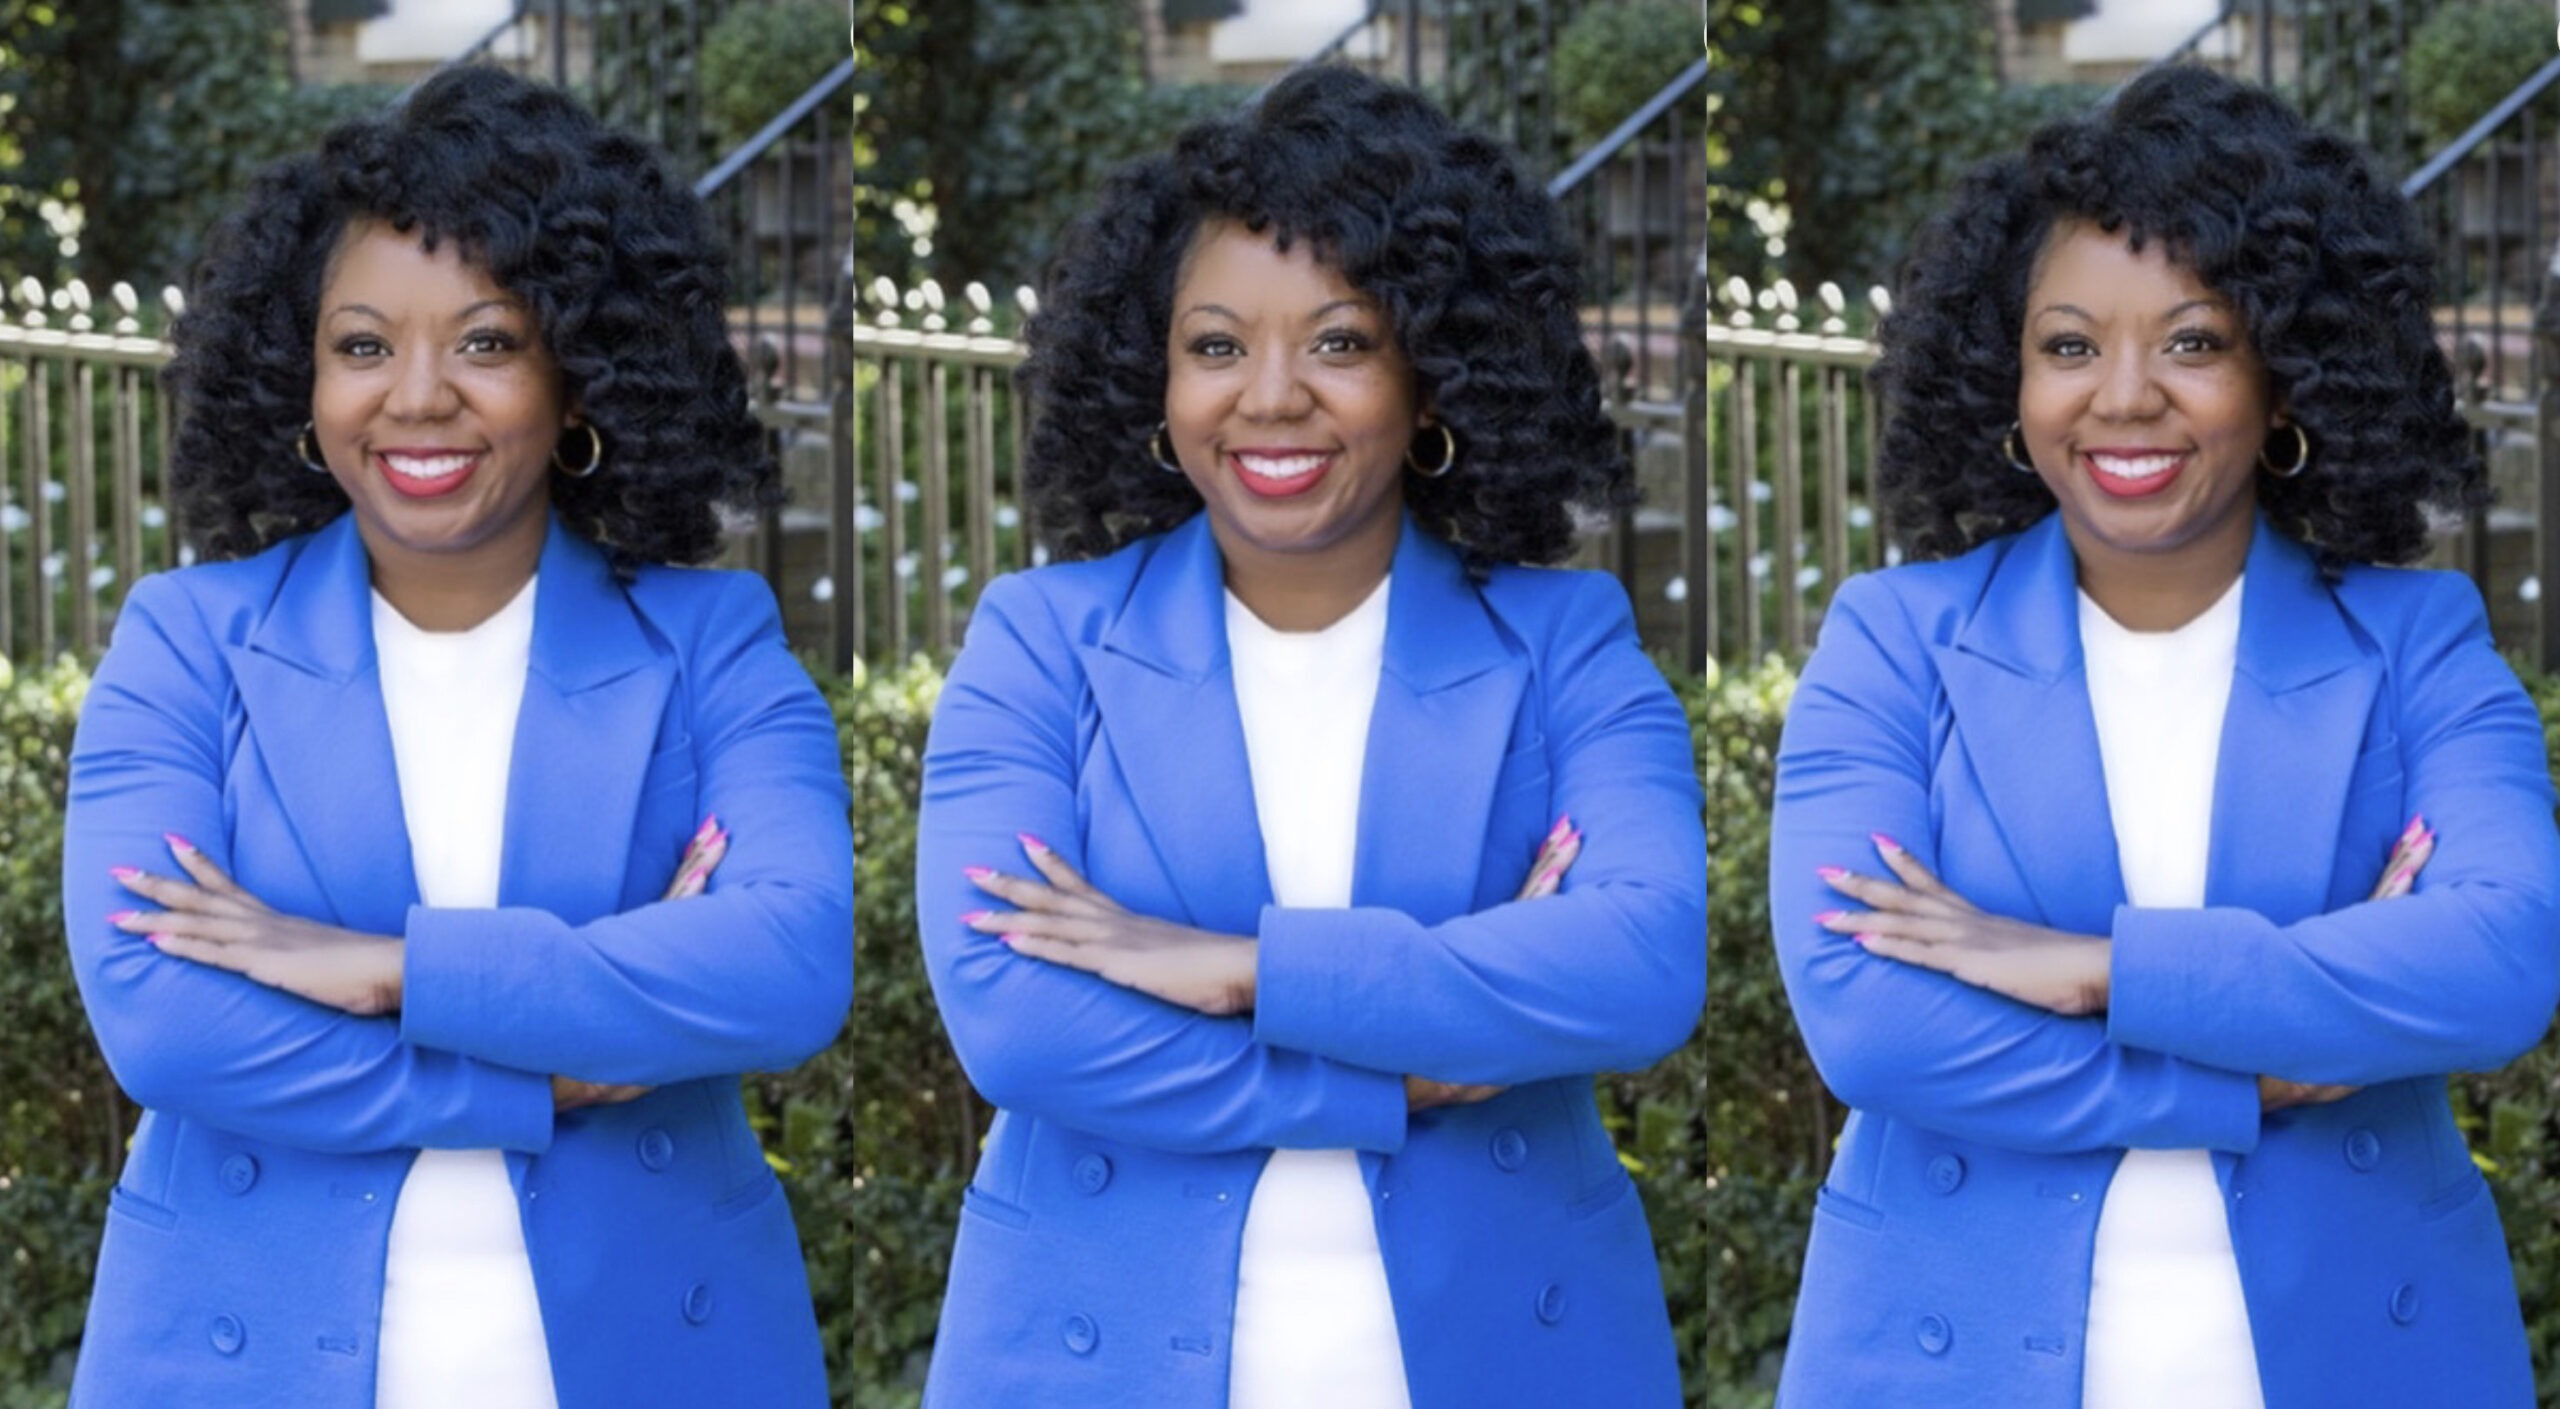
x=1907 y=1042
x=199 y=1042
x=1609 y=974
x=1053 y=1042
x=755 y=974
x=2459 y=975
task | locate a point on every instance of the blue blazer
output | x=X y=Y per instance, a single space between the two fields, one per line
x=240 y=707
x=1947 y=707
x=1094 y=707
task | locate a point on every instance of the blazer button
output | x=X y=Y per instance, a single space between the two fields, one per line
x=697 y=1303
x=2364 y=1149
x=2404 y=1303
x=1551 y=1303
x=239 y=1174
x=1510 y=1149
x=1946 y=1173
x=1081 y=1335
x=1093 y=1173
x=657 y=1149
x=228 y=1335
x=1935 y=1335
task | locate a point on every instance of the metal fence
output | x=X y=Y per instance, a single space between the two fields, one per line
x=84 y=438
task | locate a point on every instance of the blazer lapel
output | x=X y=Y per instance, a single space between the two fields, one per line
x=312 y=697
x=1448 y=696
x=2020 y=696
x=2300 y=699
x=594 y=695
x=1165 y=690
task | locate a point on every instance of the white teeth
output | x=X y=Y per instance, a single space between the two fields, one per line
x=1279 y=466
x=425 y=466
x=2132 y=466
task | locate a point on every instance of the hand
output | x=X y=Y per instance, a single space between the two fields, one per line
x=208 y=919
x=1556 y=856
x=1062 y=919
x=2409 y=855
x=1421 y=1093
x=1915 y=919
x=702 y=856
x=570 y=1094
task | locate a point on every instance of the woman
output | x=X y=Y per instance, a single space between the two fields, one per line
x=441 y=1106
x=1296 y=1106
x=2095 y=877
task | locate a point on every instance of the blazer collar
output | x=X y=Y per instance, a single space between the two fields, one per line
x=321 y=619
x=2028 y=619
x=1448 y=689
x=1174 y=620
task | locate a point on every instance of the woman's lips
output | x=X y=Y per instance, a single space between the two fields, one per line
x=2133 y=474
x=1279 y=474
x=425 y=474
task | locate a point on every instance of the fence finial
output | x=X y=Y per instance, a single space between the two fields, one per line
x=31 y=297
x=174 y=299
x=1833 y=305
x=1785 y=294
x=975 y=295
x=127 y=304
x=1737 y=296
x=76 y=295
x=929 y=295
x=1880 y=299
x=1026 y=298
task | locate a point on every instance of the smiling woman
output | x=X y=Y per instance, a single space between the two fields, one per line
x=440 y=851
x=2145 y=854
x=1287 y=868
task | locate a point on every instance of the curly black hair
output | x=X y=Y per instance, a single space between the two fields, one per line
x=612 y=254
x=2320 y=256
x=1467 y=256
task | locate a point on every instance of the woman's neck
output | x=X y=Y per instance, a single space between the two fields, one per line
x=1307 y=594
x=451 y=595
x=2145 y=592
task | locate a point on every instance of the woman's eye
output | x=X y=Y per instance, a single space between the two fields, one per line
x=487 y=341
x=2194 y=340
x=1341 y=342
x=2069 y=346
x=362 y=345
x=1215 y=347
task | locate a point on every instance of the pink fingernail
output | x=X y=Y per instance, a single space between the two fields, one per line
x=121 y=916
x=1864 y=938
x=703 y=832
x=1883 y=842
x=176 y=842
x=1009 y=939
x=1030 y=842
x=1830 y=873
x=2410 y=832
x=123 y=873
x=975 y=916
x=977 y=874
x=1827 y=916
x=157 y=938
x=2429 y=837
x=1562 y=826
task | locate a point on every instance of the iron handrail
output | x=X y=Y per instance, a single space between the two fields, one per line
x=1333 y=48
x=756 y=146
x=2195 y=41
x=487 y=41
x=1609 y=146
x=2480 y=131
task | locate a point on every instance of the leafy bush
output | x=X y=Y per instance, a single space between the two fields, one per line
x=875 y=1137
x=1610 y=58
x=2466 y=57
x=757 y=58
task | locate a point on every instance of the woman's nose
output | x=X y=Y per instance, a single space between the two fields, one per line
x=2127 y=390
x=1274 y=390
x=421 y=390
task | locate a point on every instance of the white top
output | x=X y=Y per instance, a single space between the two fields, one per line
x=460 y=1325
x=2167 y=1325
x=1314 y=1327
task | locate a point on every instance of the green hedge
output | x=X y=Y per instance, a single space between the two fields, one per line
x=875 y=1136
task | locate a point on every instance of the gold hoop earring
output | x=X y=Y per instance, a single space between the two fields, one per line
x=1448 y=454
x=1155 y=447
x=2301 y=454
x=595 y=453
x=2009 y=447
x=302 y=447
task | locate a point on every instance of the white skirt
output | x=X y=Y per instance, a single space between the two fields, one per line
x=461 y=1328
x=1314 y=1326
x=2167 y=1325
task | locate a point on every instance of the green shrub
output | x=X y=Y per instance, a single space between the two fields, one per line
x=875 y=1137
